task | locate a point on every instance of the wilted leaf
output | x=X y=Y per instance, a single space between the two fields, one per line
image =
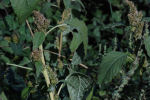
x=77 y=85
x=23 y=8
x=110 y=66
x=38 y=39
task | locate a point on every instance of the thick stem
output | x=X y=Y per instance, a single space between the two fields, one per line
x=45 y=73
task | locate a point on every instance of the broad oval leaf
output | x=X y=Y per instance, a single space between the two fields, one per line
x=110 y=66
x=83 y=31
x=38 y=39
x=147 y=45
x=23 y=8
x=77 y=85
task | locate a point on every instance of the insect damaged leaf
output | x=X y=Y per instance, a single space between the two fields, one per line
x=82 y=35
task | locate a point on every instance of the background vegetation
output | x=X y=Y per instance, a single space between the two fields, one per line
x=74 y=50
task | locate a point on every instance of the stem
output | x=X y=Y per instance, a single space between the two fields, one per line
x=29 y=28
x=19 y=66
x=82 y=65
x=60 y=45
x=42 y=55
x=54 y=53
x=55 y=27
x=60 y=89
x=45 y=72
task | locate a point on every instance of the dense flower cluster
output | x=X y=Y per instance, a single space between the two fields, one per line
x=135 y=19
x=40 y=21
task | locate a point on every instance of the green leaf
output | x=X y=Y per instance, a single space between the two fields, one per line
x=3 y=96
x=147 y=45
x=113 y=25
x=4 y=4
x=24 y=61
x=17 y=48
x=11 y=22
x=116 y=16
x=77 y=85
x=79 y=1
x=115 y=2
x=76 y=59
x=110 y=66
x=146 y=19
x=82 y=30
x=102 y=93
x=118 y=31
x=38 y=39
x=39 y=68
x=25 y=93
x=76 y=4
x=47 y=56
x=47 y=10
x=5 y=46
x=76 y=41
x=23 y=8
x=5 y=59
x=67 y=3
x=89 y=97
